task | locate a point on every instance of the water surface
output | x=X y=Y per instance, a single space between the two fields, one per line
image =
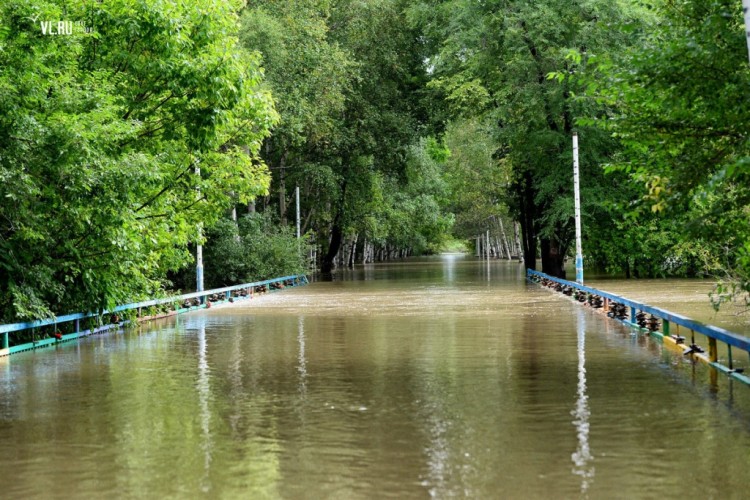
x=438 y=378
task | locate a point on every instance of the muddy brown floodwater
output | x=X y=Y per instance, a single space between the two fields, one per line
x=443 y=377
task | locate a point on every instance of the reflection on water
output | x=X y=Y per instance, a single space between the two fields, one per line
x=582 y=456
x=435 y=378
x=204 y=392
x=302 y=367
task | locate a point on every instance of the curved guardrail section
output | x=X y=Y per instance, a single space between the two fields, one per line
x=177 y=304
x=617 y=305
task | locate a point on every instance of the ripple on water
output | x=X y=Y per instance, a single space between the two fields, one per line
x=438 y=380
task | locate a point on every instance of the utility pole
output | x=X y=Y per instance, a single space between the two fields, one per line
x=577 y=196
x=199 y=247
x=296 y=197
x=746 y=12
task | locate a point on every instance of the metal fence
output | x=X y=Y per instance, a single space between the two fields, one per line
x=49 y=329
x=714 y=334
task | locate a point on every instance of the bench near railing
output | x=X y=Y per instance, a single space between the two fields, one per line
x=713 y=333
x=177 y=301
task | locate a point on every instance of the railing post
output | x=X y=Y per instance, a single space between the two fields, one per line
x=713 y=351
x=665 y=327
x=5 y=340
x=632 y=316
x=729 y=353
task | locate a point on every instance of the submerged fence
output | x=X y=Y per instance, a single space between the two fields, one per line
x=634 y=314
x=49 y=332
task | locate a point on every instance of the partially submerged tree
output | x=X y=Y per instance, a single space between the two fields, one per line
x=492 y=59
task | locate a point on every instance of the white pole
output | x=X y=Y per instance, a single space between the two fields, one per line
x=487 y=245
x=577 y=196
x=746 y=11
x=199 y=247
x=296 y=196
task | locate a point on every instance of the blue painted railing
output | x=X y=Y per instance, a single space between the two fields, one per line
x=177 y=300
x=714 y=333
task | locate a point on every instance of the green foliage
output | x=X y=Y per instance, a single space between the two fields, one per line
x=408 y=212
x=502 y=67
x=307 y=72
x=680 y=110
x=256 y=248
x=99 y=137
x=477 y=182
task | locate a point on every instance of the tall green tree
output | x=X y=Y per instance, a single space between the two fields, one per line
x=100 y=135
x=683 y=115
x=492 y=59
x=308 y=73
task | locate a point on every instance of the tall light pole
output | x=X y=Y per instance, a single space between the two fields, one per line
x=577 y=197
x=199 y=247
x=746 y=12
x=296 y=197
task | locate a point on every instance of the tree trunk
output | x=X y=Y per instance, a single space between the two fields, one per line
x=553 y=258
x=251 y=204
x=505 y=238
x=528 y=214
x=328 y=264
x=517 y=243
x=353 y=252
x=282 y=188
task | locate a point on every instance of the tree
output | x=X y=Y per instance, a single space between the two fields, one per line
x=308 y=74
x=99 y=136
x=492 y=59
x=382 y=111
x=682 y=114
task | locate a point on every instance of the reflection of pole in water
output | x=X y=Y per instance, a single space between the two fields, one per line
x=235 y=378
x=203 y=395
x=582 y=456
x=488 y=268
x=302 y=367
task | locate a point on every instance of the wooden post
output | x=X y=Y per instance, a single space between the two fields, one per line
x=505 y=238
x=713 y=351
x=729 y=356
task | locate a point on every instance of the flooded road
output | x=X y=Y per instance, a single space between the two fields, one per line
x=438 y=378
